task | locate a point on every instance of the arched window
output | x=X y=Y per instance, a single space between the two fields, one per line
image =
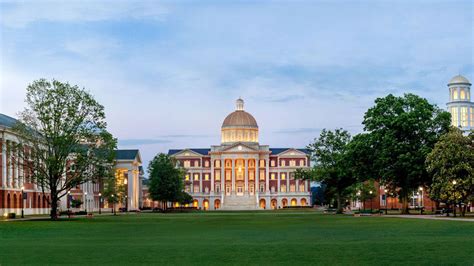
x=455 y=94
x=9 y=203
x=262 y=203
x=303 y=202
x=294 y=202
x=462 y=95
x=15 y=203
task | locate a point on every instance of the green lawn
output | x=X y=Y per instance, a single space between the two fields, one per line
x=285 y=237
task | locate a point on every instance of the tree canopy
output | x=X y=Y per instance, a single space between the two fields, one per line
x=64 y=141
x=451 y=164
x=403 y=130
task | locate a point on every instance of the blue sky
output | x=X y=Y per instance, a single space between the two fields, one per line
x=169 y=72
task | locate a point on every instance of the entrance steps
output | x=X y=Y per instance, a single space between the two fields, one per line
x=239 y=203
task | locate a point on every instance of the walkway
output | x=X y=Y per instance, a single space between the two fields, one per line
x=430 y=217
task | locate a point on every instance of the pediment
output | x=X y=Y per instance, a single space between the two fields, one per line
x=292 y=153
x=187 y=153
x=239 y=147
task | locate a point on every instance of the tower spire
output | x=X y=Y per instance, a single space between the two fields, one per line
x=239 y=104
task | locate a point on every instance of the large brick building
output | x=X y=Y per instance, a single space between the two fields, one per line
x=241 y=174
x=14 y=180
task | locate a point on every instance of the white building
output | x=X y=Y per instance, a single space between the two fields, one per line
x=460 y=105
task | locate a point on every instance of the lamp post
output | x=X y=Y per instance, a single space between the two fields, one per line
x=358 y=197
x=421 y=199
x=454 y=198
x=85 y=201
x=100 y=202
x=22 y=201
x=113 y=204
x=68 y=204
x=126 y=203
x=370 y=192
x=386 y=205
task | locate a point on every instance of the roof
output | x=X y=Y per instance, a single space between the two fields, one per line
x=275 y=151
x=240 y=118
x=459 y=80
x=200 y=151
x=7 y=121
x=126 y=154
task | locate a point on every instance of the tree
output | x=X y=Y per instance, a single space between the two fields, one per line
x=451 y=164
x=331 y=169
x=403 y=130
x=166 y=180
x=64 y=141
x=114 y=192
x=364 y=191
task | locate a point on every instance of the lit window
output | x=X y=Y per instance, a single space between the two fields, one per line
x=283 y=176
x=206 y=177
x=464 y=118
x=186 y=177
x=273 y=163
x=218 y=163
x=454 y=116
x=272 y=176
x=218 y=175
x=283 y=188
x=455 y=94
x=292 y=188
x=301 y=187
x=251 y=175
x=228 y=175
x=262 y=175
x=187 y=164
x=196 y=163
x=282 y=163
x=462 y=95
x=292 y=163
x=262 y=163
x=301 y=162
x=206 y=163
x=196 y=177
x=196 y=189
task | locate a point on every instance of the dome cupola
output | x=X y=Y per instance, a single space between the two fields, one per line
x=239 y=126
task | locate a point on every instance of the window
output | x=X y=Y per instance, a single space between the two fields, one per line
x=186 y=177
x=262 y=188
x=454 y=116
x=196 y=189
x=272 y=163
x=251 y=175
x=293 y=163
x=228 y=164
x=455 y=94
x=196 y=177
x=301 y=162
x=228 y=175
x=464 y=117
x=218 y=175
x=272 y=189
x=206 y=177
x=462 y=95
x=292 y=188
x=218 y=188
x=218 y=163
x=282 y=163
x=283 y=176
x=196 y=163
x=301 y=187
x=262 y=175
x=206 y=163
x=251 y=163
x=272 y=176
x=283 y=188
x=206 y=189
x=187 y=164
x=262 y=163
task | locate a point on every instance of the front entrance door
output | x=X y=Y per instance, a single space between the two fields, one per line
x=227 y=190
x=240 y=191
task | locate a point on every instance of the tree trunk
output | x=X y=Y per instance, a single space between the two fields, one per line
x=54 y=207
x=463 y=211
x=404 y=198
x=454 y=209
x=339 y=204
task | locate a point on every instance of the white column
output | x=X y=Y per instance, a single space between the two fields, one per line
x=21 y=170
x=278 y=182
x=287 y=176
x=4 y=163
x=233 y=177
x=10 y=166
x=130 y=189
x=297 y=186
x=17 y=168
x=246 y=176
x=267 y=175
x=222 y=179
x=257 y=177
x=212 y=176
x=200 y=182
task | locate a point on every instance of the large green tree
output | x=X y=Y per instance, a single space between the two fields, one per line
x=451 y=164
x=166 y=180
x=64 y=141
x=328 y=153
x=403 y=130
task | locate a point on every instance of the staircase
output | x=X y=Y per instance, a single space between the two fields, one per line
x=239 y=203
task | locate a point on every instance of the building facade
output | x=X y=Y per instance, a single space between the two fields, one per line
x=18 y=192
x=460 y=105
x=241 y=174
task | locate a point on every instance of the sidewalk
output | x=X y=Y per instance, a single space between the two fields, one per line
x=430 y=217
x=47 y=218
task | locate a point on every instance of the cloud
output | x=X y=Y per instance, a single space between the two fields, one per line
x=136 y=142
x=19 y=15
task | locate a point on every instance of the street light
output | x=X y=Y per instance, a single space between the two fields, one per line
x=113 y=204
x=85 y=201
x=454 y=198
x=358 y=197
x=100 y=202
x=386 y=207
x=22 y=201
x=126 y=203
x=370 y=192
x=420 y=198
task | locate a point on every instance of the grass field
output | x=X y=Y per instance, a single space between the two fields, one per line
x=290 y=238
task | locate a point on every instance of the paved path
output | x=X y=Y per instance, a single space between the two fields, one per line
x=430 y=217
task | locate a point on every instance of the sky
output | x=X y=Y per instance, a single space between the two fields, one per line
x=169 y=72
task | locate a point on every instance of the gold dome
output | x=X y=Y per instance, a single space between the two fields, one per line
x=239 y=126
